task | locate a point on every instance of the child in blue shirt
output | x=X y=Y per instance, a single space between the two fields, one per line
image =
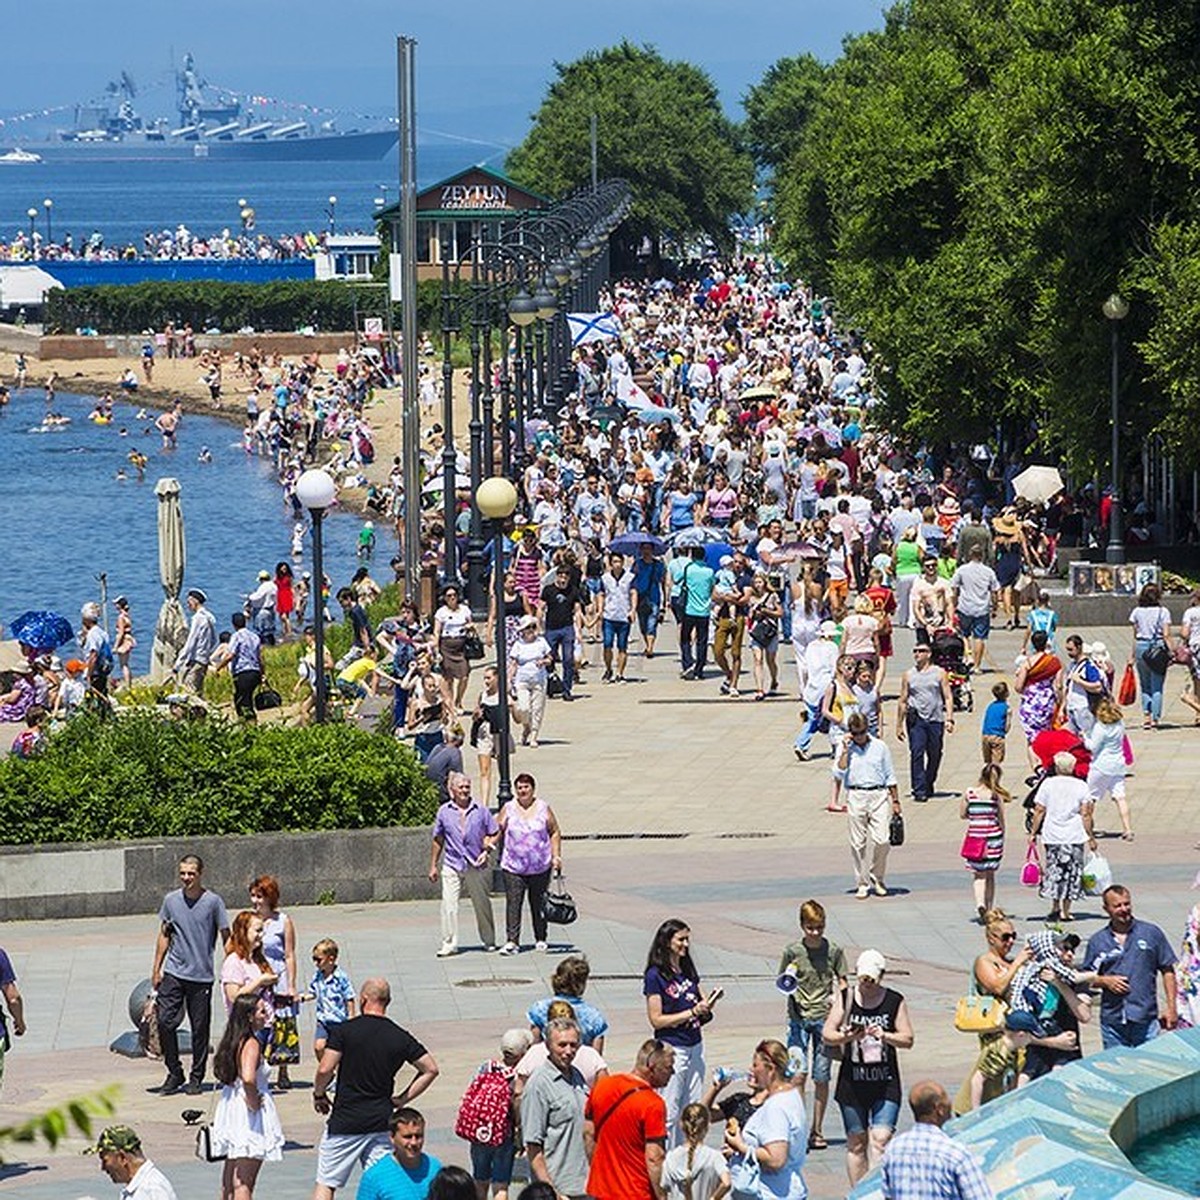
x=331 y=989
x=996 y=721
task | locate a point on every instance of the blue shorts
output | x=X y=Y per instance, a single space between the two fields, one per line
x=615 y=631
x=320 y=1033
x=883 y=1114
x=805 y=1036
x=647 y=615
x=594 y=586
x=975 y=627
x=493 y=1164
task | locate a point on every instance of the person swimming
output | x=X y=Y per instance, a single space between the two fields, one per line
x=205 y=455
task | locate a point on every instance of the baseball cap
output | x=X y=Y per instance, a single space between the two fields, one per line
x=726 y=559
x=1020 y=1021
x=114 y=1138
x=870 y=965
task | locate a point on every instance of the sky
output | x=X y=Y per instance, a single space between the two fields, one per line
x=482 y=66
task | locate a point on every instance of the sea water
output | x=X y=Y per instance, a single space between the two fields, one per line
x=65 y=518
x=1172 y=1156
x=122 y=200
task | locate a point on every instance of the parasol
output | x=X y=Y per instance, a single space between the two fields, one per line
x=170 y=632
x=1038 y=484
x=42 y=630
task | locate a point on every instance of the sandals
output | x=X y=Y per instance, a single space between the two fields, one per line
x=817 y=1142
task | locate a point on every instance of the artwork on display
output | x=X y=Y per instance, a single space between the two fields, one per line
x=1081 y=579
x=1106 y=579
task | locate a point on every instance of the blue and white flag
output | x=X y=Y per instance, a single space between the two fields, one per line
x=592 y=327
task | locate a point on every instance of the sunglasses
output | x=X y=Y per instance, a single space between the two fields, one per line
x=1007 y=937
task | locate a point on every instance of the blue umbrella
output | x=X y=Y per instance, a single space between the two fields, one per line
x=42 y=630
x=629 y=543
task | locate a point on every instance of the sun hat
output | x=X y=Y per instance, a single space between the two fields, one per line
x=264 y=574
x=870 y=965
x=527 y=622
x=828 y=629
x=1007 y=524
x=950 y=506
x=198 y=595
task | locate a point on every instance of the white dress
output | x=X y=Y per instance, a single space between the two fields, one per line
x=239 y=1133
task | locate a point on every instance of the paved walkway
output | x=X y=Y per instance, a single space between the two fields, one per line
x=733 y=836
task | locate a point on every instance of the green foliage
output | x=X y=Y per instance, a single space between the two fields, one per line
x=138 y=775
x=779 y=106
x=974 y=179
x=54 y=1124
x=660 y=126
x=280 y=307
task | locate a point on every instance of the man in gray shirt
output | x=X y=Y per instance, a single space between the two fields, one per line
x=552 y=1113
x=975 y=588
x=194 y=656
x=926 y=715
x=190 y=920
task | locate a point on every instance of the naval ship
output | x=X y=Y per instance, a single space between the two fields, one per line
x=210 y=123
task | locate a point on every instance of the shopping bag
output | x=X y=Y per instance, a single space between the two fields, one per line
x=1097 y=875
x=1127 y=692
x=1031 y=872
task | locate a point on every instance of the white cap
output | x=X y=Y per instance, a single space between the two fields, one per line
x=527 y=622
x=828 y=629
x=870 y=965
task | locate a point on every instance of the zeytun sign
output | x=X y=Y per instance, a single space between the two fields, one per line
x=475 y=195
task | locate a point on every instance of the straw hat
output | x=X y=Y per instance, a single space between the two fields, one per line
x=1006 y=524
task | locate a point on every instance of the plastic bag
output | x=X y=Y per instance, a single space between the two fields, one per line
x=1097 y=875
x=1127 y=692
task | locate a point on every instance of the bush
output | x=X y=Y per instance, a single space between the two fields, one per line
x=280 y=307
x=138 y=775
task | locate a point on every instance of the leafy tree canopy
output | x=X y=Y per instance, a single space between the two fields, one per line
x=660 y=126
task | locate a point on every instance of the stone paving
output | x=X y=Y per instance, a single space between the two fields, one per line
x=655 y=756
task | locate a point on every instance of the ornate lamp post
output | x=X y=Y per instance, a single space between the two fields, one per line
x=496 y=500
x=331 y=213
x=1116 y=309
x=32 y=215
x=315 y=490
x=522 y=312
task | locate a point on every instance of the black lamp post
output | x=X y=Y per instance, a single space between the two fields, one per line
x=331 y=213
x=522 y=312
x=32 y=215
x=1116 y=309
x=449 y=453
x=496 y=501
x=315 y=490
x=48 y=204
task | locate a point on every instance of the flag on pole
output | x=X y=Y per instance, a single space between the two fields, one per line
x=592 y=327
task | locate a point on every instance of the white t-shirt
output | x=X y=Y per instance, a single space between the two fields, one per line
x=708 y=1170
x=528 y=657
x=1191 y=619
x=1062 y=796
x=1148 y=622
x=616 y=595
x=780 y=1118
x=453 y=622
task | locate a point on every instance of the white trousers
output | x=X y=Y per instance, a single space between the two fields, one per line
x=867 y=817
x=474 y=881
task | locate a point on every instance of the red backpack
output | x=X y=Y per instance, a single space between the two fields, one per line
x=485 y=1113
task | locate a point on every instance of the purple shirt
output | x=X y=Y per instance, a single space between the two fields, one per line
x=462 y=832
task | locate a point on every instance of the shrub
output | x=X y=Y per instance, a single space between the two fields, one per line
x=138 y=775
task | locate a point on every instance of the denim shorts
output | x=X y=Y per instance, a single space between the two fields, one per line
x=975 y=627
x=493 y=1164
x=615 y=631
x=806 y=1037
x=883 y=1114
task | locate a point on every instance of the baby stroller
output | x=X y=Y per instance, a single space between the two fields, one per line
x=1045 y=746
x=946 y=649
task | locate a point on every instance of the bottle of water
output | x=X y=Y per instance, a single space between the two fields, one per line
x=724 y=1075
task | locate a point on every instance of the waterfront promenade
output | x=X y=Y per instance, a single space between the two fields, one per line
x=733 y=836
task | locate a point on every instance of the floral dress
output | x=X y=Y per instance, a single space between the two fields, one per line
x=1039 y=699
x=983 y=820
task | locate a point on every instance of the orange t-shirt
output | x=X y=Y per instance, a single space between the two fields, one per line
x=628 y=1113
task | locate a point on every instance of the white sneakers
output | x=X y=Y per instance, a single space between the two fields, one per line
x=510 y=948
x=448 y=950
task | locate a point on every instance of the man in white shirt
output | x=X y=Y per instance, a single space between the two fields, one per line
x=122 y=1160
x=617 y=583
x=975 y=588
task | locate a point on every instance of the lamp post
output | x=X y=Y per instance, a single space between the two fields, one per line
x=522 y=312
x=32 y=215
x=315 y=490
x=331 y=213
x=496 y=500
x=1116 y=309
x=245 y=215
x=48 y=204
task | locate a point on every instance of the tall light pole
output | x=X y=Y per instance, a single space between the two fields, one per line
x=522 y=312
x=32 y=215
x=48 y=204
x=315 y=490
x=496 y=500
x=1116 y=309
x=331 y=213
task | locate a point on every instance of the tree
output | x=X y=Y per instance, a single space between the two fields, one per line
x=779 y=106
x=660 y=127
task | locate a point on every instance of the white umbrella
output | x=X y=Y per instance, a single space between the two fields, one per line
x=171 y=631
x=1038 y=484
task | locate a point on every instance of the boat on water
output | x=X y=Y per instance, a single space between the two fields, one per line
x=210 y=122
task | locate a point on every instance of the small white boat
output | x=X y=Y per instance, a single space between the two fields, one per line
x=19 y=156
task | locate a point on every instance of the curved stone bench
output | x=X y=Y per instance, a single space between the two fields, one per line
x=1067 y=1134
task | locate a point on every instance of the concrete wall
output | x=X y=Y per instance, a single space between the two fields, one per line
x=107 y=879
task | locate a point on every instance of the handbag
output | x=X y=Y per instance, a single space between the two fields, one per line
x=1031 y=872
x=896 y=830
x=764 y=631
x=974 y=847
x=267 y=697
x=557 y=905
x=473 y=649
x=1157 y=657
x=745 y=1176
x=283 y=1050
x=204 y=1146
x=979 y=1013
x=1182 y=654
x=1127 y=692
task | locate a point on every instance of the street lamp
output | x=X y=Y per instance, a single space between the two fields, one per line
x=1116 y=309
x=32 y=215
x=315 y=490
x=522 y=312
x=246 y=215
x=331 y=213
x=48 y=204
x=496 y=500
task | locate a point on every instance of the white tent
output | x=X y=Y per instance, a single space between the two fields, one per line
x=25 y=286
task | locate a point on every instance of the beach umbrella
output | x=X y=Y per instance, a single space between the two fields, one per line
x=1038 y=484
x=653 y=414
x=697 y=535
x=632 y=542
x=171 y=630
x=791 y=551
x=43 y=631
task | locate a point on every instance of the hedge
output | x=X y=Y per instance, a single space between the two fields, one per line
x=280 y=307
x=138 y=775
